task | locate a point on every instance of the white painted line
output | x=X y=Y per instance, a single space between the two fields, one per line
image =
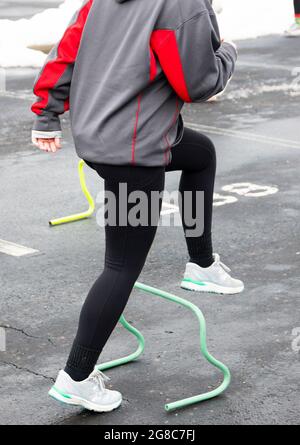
x=245 y=189
x=265 y=66
x=2 y=340
x=250 y=190
x=222 y=200
x=15 y=249
x=169 y=208
x=287 y=143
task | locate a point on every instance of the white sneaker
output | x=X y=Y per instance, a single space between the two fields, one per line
x=214 y=279
x=293 y=31
x=90 y=393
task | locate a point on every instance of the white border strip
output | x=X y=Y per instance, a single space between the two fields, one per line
x=15 y=250
x=286 y=143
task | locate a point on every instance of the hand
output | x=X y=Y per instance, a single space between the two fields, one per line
x=216 y=96
x=49 y=145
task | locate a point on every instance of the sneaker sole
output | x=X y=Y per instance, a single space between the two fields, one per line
x=68 y=399
x=211 y=288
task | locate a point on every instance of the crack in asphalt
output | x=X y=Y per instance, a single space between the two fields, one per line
x=21 y=368
x=21 y=331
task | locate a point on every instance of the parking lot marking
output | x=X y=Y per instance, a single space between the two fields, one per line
x=265 y=66
x=287 y=143
x=169 y=208
x=2 y=340
x=15 y=250
x=250 y=190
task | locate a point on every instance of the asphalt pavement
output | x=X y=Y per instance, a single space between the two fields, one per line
x=255 y=127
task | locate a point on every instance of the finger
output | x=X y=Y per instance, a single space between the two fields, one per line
x=57 y=143
x=48 y=146
x=41 y=145
x=212 y=99
x=53 y=146
x=45 y=145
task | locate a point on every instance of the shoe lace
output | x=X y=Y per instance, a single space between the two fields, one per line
x=219 y=262
x=99 y=378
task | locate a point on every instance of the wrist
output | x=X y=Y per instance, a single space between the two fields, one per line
x=47 y=122
x=36 y=134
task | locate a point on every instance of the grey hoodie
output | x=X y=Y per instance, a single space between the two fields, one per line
x=125 y=68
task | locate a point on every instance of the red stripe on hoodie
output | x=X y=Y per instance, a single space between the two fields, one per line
x=66 y=54
x=135 y=131
x=164 y=44
x=153 y=67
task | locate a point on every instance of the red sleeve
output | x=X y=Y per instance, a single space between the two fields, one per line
x=193 y=59
x=53 y=83
x=164 y=44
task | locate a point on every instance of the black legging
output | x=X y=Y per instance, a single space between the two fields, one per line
x=297 y=7
x=127 y=247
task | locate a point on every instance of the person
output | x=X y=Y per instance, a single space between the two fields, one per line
x=294 y=30
x=124 y=69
